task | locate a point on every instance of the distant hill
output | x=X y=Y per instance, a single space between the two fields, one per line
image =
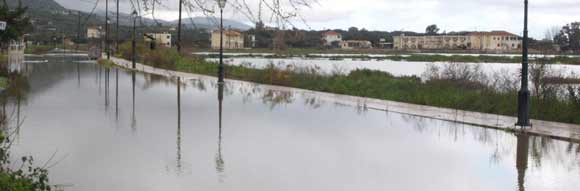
x=37 y=5
x=211 y=23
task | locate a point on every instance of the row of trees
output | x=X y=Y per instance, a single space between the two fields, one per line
x=16 y=21
x=296 y=38
x=569 y=37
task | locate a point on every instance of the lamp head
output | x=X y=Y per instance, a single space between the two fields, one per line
x=222 y=3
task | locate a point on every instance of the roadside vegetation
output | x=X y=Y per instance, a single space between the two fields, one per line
x=16 y=173
x=456 y=86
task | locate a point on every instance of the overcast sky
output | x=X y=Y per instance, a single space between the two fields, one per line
x=411 y=15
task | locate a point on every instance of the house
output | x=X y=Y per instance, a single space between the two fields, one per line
x=383 y=44
x=494 y=40
x=93 y=32
x=356 y=44
x=163 y=39
x=331 y=39
x=232 y=39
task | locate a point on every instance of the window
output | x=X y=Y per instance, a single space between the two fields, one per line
x=497 y=45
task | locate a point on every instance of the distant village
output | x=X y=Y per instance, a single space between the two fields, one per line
x=267 y=37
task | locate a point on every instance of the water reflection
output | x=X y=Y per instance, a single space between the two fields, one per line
x=107 y=74
x=523 y=141
x=179 y=170
x=133 y=116
x=219 y=161
x=343 y=142
x=117 y=94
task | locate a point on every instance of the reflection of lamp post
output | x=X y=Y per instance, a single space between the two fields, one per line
x=524 y=93
x=134 y=14
x=523 y=142
x=219 y=160
x=222 y=5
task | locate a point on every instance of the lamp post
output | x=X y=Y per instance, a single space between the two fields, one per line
x=524 y=93
x=107 y=29
x=222 y=5
x=178 y=42
x=117 y=30
x=133 y=42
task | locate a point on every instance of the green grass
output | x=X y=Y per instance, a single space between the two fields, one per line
x=3 y=83
x=382 y=85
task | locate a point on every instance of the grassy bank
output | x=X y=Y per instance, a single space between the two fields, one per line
x=464 y=94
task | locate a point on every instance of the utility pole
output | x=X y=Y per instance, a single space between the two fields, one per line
x=133 y=42
x=117 y=30
x=78 y=32
x=524 y=93
x=178 y=42
x=107 y=30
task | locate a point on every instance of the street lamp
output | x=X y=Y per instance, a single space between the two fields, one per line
x=222 y=5
x=524 y=93
x=107 y=42
x=133 y=42
x=107 y=28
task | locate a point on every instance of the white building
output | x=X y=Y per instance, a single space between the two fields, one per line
x=356 y=44
x=232 y=39
x=493 y=41
x=331 y=38
x=163 y=39
x=93 y=32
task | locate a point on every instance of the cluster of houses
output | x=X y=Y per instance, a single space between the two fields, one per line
x=485 y=41
x=332 y=39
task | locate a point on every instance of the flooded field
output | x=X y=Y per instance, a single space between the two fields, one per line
x=397 y=68
x=110 y=129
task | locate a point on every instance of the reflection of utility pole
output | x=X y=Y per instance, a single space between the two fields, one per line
x=117 y=94
x=107 y=71
x=220 y=164
x=133 y=118
x=178 y=124
x=523 y=141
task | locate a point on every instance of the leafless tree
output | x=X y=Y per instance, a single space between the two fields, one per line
x=280 y=12
x=551 y=33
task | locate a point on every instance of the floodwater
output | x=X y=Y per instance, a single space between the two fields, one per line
x=397 y=68
x=150 y=133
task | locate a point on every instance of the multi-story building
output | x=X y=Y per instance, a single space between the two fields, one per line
x=495 y=40
x=93 y=32
x=163 y=39
x=331 y=38
x=356 y=44
x=232 y=39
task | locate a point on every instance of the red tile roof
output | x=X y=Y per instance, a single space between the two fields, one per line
x=330 y=33
x=493 y=33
